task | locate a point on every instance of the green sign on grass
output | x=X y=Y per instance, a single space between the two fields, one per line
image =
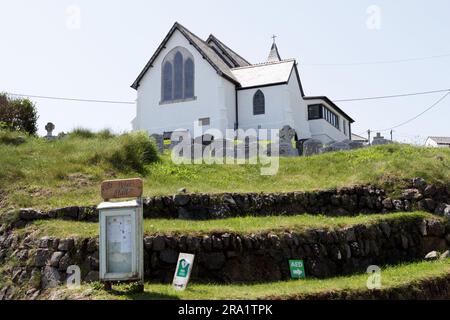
x=183 y=268
x=297 y=269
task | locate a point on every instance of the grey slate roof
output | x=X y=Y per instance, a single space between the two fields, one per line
x=264 y=74
x=441 y=140
x=237 y=60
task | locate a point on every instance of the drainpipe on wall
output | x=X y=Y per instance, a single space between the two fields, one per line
x=236 y=124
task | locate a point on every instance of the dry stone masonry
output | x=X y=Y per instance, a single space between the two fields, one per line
x=417 y=195
x=230 y=258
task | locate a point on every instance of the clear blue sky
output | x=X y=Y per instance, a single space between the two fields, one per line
x=40 y=55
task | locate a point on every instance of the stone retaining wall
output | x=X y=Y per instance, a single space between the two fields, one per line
x=226 y=258
x=426 y=289
x=345 y=201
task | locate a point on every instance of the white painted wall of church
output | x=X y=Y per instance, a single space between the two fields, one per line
x=215 y=96
x=299 y=108
x=276 y=105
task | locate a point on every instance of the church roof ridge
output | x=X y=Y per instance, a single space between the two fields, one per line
x=233 y=55
x=267 y=63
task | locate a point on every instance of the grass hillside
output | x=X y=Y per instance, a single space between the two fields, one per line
x=41 y=174
x=393 y=278
x=241 y=225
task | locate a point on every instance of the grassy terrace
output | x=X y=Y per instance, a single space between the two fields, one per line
x=66 y=172
x=245 y=225
x=392 y=277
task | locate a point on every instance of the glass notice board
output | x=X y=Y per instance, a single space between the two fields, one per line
x=119 y=244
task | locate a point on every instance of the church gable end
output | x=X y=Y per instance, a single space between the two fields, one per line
x=201 y=46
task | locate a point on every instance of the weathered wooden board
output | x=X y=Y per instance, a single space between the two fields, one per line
x=128 y=188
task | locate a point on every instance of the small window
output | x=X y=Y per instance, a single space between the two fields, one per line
x=319 y=111
x=344 y=126
x=204 y=122
x=259 y=103
x=314 y=111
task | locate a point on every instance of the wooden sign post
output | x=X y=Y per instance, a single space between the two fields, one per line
x=121 y=233
x=116 y=189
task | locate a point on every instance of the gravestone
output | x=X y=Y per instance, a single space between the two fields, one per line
x=159 y=140
x=286 y=136
x=50 y=127
x=339 y=146
x=353 y=144
x=311 y=147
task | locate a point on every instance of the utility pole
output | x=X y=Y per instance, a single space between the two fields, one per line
x=391 y=135
x=368 y=134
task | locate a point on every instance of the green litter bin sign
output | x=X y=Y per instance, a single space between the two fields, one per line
x=297 y=269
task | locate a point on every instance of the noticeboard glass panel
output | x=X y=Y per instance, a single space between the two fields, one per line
x=119 y=244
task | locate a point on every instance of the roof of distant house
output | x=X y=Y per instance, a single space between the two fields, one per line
x=356 y=137
x=441 y=140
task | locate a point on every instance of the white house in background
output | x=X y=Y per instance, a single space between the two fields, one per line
x=359 y=138
x=440 y=142
x=189 y=80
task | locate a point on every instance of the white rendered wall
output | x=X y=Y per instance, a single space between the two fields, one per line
x=214 y=96
x=276 y=105
x=299 y=108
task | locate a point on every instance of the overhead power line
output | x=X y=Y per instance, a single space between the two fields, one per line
x=68 y=99
x=391 y=96
x=22 y=95
x=415 y=117
x=374 y=62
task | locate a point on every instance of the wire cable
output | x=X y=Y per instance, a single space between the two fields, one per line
x=391 y=96
x=68 y=99
x=415 y=117
x=374 y=62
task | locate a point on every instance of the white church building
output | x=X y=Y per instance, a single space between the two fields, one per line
x=192 y=81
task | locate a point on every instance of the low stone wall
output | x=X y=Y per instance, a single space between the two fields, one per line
x=226 y=258
x=345 y=201
x=427 y=289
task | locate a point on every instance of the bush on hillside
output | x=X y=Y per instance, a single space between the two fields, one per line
x=18 y=114
x=105 y=134
x=14 y=138
x=131 y=153
x=84 y=133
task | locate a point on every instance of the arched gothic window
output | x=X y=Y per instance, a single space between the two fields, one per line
x=178 y=75
x=259 y=103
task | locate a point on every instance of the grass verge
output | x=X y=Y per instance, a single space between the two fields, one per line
x=392 y=277
x=244 y=225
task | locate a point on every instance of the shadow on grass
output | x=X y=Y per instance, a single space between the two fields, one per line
x=146 y=295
